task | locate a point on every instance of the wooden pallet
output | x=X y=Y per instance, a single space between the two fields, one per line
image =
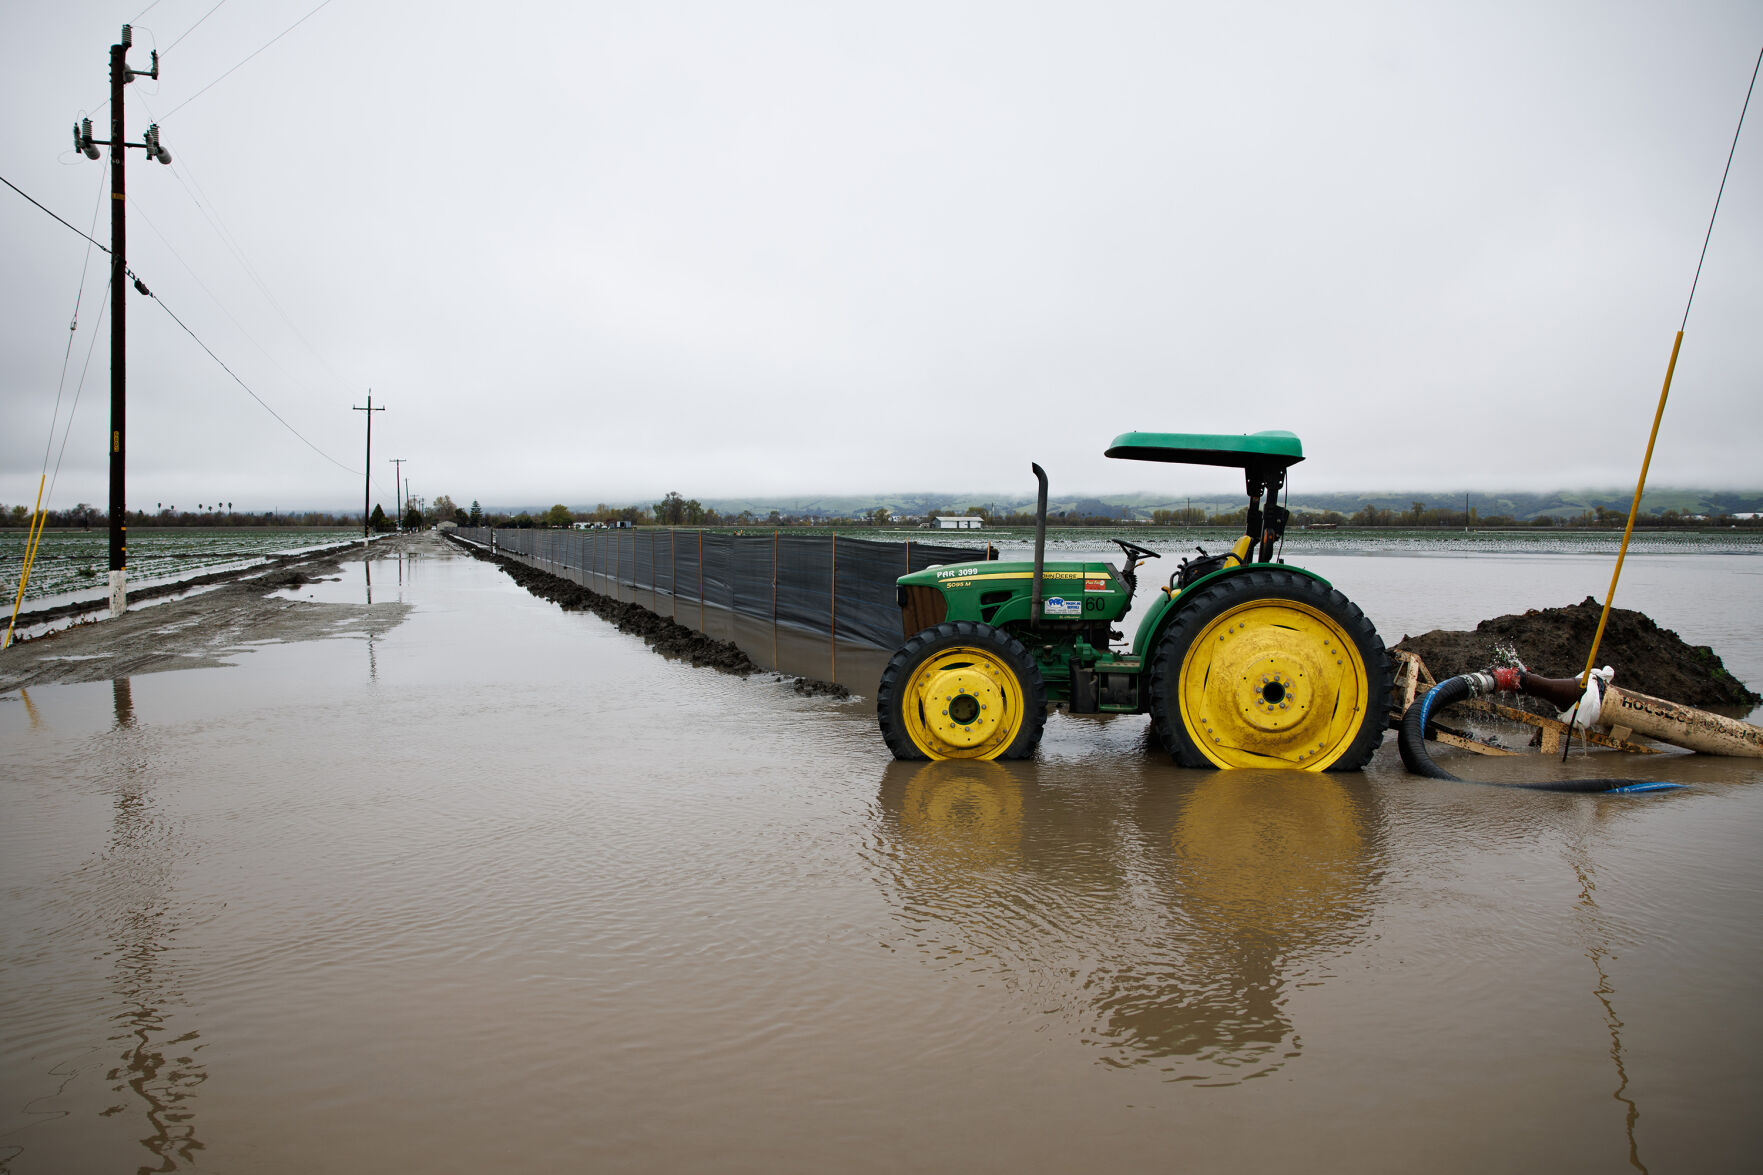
x=1413 y=680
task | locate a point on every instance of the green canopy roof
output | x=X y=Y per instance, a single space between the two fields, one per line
x=1272 y=450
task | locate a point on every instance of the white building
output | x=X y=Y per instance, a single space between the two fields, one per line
x=964 y=522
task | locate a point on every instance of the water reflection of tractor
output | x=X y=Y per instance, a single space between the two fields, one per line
x=1170 y=922
x=1241 y=660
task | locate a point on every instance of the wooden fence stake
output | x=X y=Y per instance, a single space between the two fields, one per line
x=833 y=609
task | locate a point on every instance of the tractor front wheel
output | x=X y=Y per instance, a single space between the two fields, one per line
x=962 y=690
x=1270 y=668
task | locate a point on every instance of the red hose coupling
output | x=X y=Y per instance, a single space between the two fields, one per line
x=1507 y=679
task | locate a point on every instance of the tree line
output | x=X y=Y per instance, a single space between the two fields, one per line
x=83 y=515
x=675 y=510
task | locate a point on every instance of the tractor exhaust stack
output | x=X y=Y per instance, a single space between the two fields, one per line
x=1034 y=615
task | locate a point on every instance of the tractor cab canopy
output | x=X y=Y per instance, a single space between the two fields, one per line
x=1264 y=456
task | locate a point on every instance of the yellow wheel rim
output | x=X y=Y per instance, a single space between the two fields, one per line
x=1273 y=683
x=963 y=703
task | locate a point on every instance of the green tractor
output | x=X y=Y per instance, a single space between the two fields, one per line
x=1241 y=661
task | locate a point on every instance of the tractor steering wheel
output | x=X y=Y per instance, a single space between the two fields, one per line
x=1134 y=551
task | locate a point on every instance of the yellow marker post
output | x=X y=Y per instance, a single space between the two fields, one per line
x=1665 y=391
x=30 y=557
x=1633 y=509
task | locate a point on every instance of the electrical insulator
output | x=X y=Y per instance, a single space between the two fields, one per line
x=151 y=142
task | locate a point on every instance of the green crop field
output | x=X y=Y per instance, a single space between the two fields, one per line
x=71 y=560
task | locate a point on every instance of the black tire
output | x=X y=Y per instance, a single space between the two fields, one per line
x=1270 y=668
x=986 y=677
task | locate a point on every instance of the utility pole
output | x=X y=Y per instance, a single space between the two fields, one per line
x=398 y=467
x=120 y=76
x=367 y=477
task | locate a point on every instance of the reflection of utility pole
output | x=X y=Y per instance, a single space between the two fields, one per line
x=367 y=476
x=398 y=463
x=120 y=76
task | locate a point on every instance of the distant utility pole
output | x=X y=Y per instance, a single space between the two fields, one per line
x=398 y=463
x=120 y=76
x=367 y=477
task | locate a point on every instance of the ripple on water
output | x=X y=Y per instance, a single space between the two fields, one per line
x=1165 y=925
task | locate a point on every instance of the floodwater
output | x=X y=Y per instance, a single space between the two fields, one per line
x=499 y=889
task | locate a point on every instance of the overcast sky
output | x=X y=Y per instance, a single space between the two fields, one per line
x=594 y=252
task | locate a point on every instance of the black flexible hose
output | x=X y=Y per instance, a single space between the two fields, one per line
x=1411 y=741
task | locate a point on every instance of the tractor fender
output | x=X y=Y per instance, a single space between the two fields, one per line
x=1167 y=605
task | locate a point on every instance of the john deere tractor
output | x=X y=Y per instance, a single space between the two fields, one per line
x=1241 y=660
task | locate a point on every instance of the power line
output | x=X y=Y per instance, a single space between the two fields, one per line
x=229 y=73
x=241 y=382
x=26 y=195
x=195 y=277
x=193 y=27
x=182 y=172
x=78 y=388
x=139 y=285
x=73 y=327
x=1710 y=234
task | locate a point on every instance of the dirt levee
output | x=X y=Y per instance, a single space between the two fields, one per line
x=660 y=633
x=1554 y=642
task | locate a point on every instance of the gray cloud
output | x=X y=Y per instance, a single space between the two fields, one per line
x=596 y=252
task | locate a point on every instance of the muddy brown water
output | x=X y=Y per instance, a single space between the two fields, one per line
x=494 y=887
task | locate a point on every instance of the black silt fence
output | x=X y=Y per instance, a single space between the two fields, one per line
x=765 y=592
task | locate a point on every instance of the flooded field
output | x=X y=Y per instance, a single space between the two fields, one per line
x=74 y=562
x=488 y=886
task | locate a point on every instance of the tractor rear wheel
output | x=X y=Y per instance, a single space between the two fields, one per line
x=1270 y=668
x=962 y=690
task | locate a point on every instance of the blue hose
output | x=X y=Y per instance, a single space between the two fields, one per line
x=1411 y=741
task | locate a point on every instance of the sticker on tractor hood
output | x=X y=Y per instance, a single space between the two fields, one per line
x=1096 y=585
x=963 y=576
x=1060 y=606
